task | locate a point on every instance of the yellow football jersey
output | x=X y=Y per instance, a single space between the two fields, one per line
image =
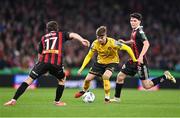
x=107 y=53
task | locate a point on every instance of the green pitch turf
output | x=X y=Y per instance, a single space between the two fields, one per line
x=39 y=103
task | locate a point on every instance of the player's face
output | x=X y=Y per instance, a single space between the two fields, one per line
x=134 y=22
x=102 y=39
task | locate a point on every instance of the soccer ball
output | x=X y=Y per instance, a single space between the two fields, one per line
x=88 y=97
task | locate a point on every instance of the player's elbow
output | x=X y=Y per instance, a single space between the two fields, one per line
x=146 y=43
x=128 y=49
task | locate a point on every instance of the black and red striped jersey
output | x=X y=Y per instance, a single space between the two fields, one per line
x=138 y=36
x=51 y=47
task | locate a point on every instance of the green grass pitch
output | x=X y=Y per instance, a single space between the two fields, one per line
x=39 y=103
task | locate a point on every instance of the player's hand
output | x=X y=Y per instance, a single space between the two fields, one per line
x=121 y=41
x=79 y=72
x=85 y=43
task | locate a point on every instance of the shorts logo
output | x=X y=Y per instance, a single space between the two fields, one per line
x=124 y=66
x=35 y=73
x=161 y=80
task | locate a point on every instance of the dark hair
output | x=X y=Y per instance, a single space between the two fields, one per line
x=52 y=26
x=136 y=15
x=101 y=31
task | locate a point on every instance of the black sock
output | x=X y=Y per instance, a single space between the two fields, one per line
x=20 y=90
x=118 y=90
x=159 y=79
x=59 y=92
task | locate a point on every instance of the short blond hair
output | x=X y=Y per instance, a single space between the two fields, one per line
x=101 y=31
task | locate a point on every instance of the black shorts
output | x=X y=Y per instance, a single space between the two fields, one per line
x=99 y=69
x=131 y=68
x=41 y=68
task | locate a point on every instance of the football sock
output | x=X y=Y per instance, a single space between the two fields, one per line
x=86 y=85
x=20 y=90
x=158 y=80
x=59 y=92
x=118 y=90
x=107 y=87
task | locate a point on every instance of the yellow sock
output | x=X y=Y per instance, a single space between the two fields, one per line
x=86 y=85
x=107 y=87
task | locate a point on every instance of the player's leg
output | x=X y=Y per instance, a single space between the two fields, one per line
x=19 y=91
x=144 y=75
x=86 y=85
x=96 y=70
x=106 y=82
x=37 y=71
x=147 y=84
x=59 y=92
x=58 y=72
x=119 y=84
x=127 y=69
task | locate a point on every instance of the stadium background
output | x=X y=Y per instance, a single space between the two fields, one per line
x=23 y=23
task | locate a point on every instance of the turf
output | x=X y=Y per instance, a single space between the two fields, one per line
x=39 y=103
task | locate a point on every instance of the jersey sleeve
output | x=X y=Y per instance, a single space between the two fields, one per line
x=118 y=44
x=128 y=50
x=86 y=60
x=66 y=36
x=142 y=34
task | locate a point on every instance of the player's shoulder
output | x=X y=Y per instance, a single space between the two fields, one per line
x=110 y=39
x=140 y=30
x=95 y=42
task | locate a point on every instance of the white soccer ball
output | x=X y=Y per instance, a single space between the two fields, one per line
x=88 y=97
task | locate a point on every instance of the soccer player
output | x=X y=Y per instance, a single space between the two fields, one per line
x=107 y=59
x=140 y=45
x=50 y=60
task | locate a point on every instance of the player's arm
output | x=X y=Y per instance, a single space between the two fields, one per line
x=86 y=60
x=144 y=50
x=126 y=42
x=79 y=38
x=145 y=46
x=127 y=49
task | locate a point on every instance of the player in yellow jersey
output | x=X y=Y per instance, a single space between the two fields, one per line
x=107 y=59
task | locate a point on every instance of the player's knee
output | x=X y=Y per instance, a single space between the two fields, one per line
x=29 y=80
x=87 y=80
x=105 y=77
x=146 y=86
x=61 y=81
x=120 y=78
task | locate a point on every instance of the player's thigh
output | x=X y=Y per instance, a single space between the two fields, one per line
x=129 y=68
x=38 y=69
x=143 y=72
x=109 y=70
x=97 y=69
x=57 y=71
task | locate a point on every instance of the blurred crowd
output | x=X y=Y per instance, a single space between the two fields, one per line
x=22 y=23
